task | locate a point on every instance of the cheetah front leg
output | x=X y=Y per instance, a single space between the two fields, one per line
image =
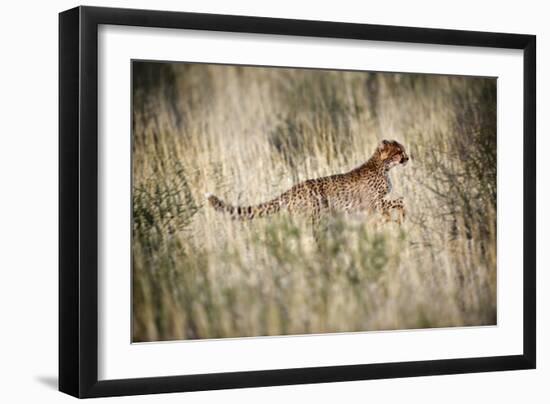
x=388 y=205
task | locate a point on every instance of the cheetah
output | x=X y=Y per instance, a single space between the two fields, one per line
x=364 y=188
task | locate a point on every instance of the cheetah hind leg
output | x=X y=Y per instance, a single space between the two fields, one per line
x=399 y=206
x=318 y=229
x=401 y=214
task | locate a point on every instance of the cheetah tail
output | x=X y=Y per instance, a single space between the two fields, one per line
x=244 y=212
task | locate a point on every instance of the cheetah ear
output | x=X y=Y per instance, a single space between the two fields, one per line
x=383 y=144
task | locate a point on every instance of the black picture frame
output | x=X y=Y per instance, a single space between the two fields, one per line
x=78 y=201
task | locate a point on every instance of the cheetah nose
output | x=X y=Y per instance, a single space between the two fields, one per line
x=404 y=159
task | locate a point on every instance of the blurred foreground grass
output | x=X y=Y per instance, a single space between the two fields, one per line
x=247 y=134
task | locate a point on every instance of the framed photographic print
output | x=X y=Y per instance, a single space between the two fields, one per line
x=250 y=201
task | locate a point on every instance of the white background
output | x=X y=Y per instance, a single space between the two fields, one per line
x=28 y=201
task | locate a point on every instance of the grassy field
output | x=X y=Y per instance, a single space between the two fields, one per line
x=247 y=134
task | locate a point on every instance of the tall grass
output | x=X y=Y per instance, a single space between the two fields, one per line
x=247 y=134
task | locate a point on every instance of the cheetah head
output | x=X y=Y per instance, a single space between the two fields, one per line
x=392 y=153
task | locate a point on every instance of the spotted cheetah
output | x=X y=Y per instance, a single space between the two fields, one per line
x=364 y=188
